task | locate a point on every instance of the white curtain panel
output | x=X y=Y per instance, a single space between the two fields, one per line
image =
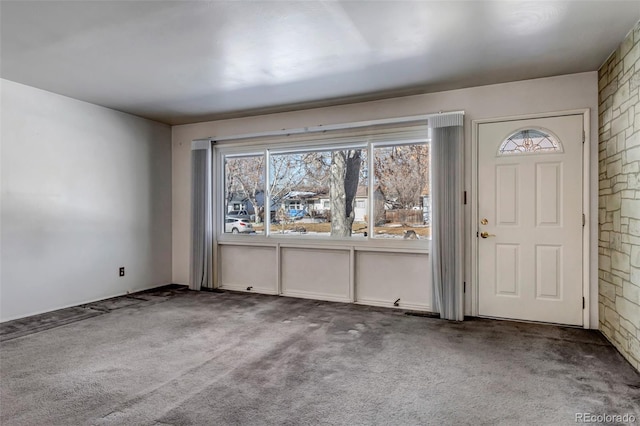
x=447 y=138
x=201 y=215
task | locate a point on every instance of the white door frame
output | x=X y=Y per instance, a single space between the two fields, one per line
x=586 y=195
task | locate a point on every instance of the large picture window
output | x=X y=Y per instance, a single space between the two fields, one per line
x=365 y=189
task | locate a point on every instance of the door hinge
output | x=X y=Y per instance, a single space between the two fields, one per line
x=465 y=197
x=583 y=303
x=584 y=136
x=584 y=219
x=464 y=287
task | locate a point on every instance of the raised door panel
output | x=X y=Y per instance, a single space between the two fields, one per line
x=507 y=269
x=507 y=195
x=549 y=194
x=549 y=274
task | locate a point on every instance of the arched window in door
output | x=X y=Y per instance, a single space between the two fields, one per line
x=530 y=141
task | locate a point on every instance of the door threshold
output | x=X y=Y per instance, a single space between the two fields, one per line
x=555 y=324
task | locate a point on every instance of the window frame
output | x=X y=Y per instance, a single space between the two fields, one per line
x=219 y=176
x=223 y=150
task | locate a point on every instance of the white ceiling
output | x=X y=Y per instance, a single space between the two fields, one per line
x=187 y=61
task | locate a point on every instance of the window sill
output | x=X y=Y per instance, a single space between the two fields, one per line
x=321 y=242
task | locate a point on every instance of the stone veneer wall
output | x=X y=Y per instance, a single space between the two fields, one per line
x=619 y=198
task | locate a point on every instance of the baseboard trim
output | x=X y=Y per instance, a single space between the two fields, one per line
x=389 y=304
x=243 y=289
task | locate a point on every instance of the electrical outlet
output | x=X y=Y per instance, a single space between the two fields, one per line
x=122 y=271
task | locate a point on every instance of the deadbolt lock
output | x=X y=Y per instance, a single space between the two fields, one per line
x=484 y=221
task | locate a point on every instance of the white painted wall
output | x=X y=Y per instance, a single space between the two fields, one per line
x=85 y=190
x=525 y=97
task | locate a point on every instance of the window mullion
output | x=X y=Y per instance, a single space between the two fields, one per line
x=267 y=193
x=370 y=179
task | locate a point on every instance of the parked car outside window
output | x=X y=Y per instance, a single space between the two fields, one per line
x=235 y=225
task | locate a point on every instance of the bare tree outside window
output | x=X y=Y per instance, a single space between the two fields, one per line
x=244 y=178
x=297 y=172
x=315 y=192
x=401 y=174
x=345 y=176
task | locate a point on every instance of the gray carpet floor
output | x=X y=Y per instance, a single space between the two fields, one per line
x=196 y=358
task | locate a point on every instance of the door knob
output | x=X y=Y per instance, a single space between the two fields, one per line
x=486 y=235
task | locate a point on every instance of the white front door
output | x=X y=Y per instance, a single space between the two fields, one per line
x=530 y=219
